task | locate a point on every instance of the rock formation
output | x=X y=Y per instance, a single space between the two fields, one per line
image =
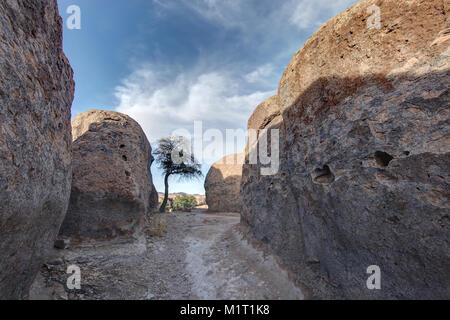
x=112 y=185
x=365 y=144
x=36 y=93
x=222 y=184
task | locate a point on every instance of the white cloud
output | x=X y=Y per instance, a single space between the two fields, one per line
x=261 y=75
x=162 y=105
x=245 y=14
x=225 y=12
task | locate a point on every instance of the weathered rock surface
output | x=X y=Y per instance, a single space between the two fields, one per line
x=222 y=184
x=365 y=144
x=112 y=186
x=36 y=93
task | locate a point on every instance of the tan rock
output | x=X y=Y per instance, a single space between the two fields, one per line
x=265 y=113
x=222 y=184
x=112 y=185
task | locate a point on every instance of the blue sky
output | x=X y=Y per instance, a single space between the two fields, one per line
x=168 y=63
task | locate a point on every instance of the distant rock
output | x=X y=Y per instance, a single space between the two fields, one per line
x=112 y=185
x=200 y=198
x=364 y=176
x=36 y=93
x=222 y=184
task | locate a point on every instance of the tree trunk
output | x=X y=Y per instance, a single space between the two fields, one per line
x=166 y=193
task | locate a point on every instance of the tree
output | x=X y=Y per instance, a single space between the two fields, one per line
x=173 y=156
x=184 y=203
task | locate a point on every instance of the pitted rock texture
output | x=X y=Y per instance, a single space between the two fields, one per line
x=112 y=186
x=222 y=184
x=36 y=93
x=364 y=176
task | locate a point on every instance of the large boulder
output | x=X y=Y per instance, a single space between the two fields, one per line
x=36 y=93
x=222 y=184
x=364 y=177
x=112 y=186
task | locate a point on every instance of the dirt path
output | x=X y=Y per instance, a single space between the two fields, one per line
x=200 y=256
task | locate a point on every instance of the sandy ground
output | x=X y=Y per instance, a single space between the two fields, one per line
x=199 y=256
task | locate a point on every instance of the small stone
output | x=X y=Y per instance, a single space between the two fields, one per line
x=60 y=244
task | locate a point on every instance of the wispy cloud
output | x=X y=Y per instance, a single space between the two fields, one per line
x=261 y=75
x=312 y=14
x=267 y=14
x=225 y=12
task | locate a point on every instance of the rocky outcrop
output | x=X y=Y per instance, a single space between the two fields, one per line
x=112 y=186
x=36 y=93
x=365 y=144
x=222 y=184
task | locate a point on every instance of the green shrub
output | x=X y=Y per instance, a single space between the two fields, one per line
x=184 y=203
